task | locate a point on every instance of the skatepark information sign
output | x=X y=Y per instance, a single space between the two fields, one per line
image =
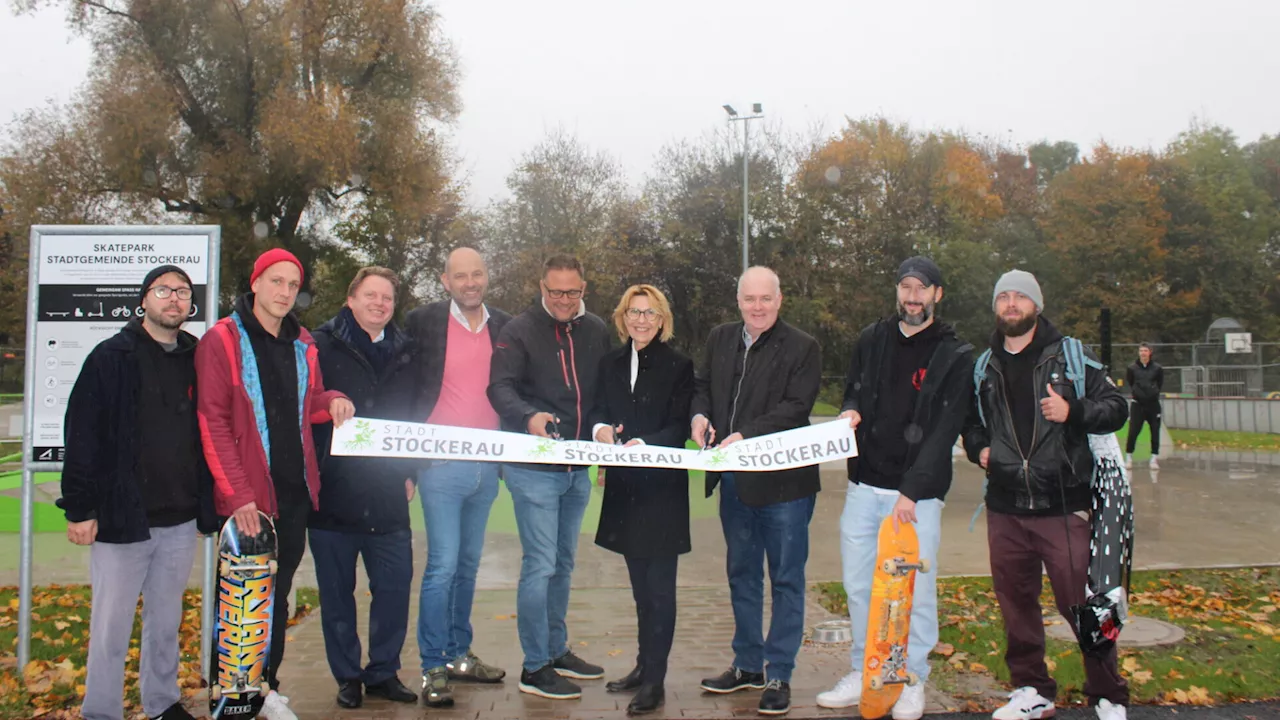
x=85 y=283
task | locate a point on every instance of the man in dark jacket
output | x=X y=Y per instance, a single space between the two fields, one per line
x=907 y=395
x=760 y=376
x=1029 y=431
x=1145 y=379
x=457 y=336
x=364 y=502
x=261 y=389
x=136 y=489
x=543 y=382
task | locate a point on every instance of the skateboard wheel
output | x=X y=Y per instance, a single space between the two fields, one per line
x=925 y=565
x=215 y=692
x=877 y=683
x=890 y=566
x=913 y=679
x=272 y=566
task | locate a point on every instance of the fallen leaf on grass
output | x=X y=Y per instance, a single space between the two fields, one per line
x=944 y=649
x=1130 y=665
x=1173 y=674
x=1051 y=664
x=977 y=667
x=1142 y=677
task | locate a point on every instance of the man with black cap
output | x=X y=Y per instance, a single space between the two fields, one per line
x=260 y=391
x=906 y=395
x=1028 y=429
x=135 y=488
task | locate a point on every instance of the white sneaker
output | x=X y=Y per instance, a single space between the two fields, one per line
x=910 y=705
x=1128 y=462
x=1025 y=704
x=276 y=707
x=845 y=694
x=1107 y=711
x=1155 y=464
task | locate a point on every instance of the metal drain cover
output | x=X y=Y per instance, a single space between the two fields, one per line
x=832 y=631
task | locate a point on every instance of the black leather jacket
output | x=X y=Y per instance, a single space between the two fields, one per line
x=1054 y=476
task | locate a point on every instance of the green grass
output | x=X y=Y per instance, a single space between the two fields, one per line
x=821 y=409
x=1221 y=440
x=1231 y=651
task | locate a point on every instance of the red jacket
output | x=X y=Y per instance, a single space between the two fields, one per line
x=228 y=429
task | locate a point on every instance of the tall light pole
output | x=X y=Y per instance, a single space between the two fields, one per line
x=758 y=112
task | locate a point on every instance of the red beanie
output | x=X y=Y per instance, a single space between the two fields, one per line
x=271 y=257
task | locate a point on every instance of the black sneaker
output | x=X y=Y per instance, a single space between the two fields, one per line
x=733 y=680
x=175 y=712
x=776 y=699
x=570 y=665
x=545 y=682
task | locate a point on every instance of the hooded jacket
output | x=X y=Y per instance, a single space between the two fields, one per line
x=1049 y=471
x=941 y=406
x=100 y=469
x=232 y=421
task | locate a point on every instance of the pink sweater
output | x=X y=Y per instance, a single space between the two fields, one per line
x=463 y=402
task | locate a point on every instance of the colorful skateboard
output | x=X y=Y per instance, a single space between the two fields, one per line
x=884 y=667
x=242 y=620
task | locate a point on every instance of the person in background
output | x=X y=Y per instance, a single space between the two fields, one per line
x=1145 y=380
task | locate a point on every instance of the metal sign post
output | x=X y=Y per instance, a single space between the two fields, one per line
x=82 y=287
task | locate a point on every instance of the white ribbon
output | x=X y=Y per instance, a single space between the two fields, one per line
x=368 y=437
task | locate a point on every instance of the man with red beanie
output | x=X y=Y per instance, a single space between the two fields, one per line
x=260 y=390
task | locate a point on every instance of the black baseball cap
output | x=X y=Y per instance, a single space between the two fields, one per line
x=922 y=269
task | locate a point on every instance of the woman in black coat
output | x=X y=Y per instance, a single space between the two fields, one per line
x=644 y=393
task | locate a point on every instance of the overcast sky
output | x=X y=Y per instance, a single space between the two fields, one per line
x=629 y=76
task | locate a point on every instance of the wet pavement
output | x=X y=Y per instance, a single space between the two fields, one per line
x=1202 y=509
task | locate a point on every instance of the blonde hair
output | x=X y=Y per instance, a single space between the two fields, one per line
x=656 y=299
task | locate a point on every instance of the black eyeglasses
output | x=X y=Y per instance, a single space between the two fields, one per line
x=557 y=294
x=637 y=313
x=163 y=291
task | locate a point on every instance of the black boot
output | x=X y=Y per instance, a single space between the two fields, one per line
x=625 y=684
x=648 y=699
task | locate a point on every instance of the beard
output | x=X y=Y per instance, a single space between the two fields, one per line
x=915 y=319
x=1015 y=328
x=161 y=321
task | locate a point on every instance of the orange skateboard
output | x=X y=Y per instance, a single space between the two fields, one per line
x=884 y=666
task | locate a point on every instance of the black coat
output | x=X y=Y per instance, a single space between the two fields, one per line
x=645 y=512
x=99 y=473
x=1146 y=382
x=941 y=407
x=776 y=392
x=429 y=327
x=361 y=494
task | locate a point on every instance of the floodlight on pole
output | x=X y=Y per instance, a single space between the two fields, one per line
x=758 y=109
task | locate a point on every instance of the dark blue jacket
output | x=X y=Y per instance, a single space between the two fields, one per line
x=362 y=494
x=99 y=472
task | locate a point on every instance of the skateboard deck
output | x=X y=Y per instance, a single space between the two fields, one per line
x=884 y=667
x=243 y=612
x=1105 y=610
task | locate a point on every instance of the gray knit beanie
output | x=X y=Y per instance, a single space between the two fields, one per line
x=1019 y=281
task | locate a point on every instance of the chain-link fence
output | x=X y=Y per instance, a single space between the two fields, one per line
x=1207 y=369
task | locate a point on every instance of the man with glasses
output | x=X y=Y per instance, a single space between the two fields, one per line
x=135 y=488
x=907 y=396
x=543 y=381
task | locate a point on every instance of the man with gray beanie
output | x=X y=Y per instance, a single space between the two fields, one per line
x=1029 y=431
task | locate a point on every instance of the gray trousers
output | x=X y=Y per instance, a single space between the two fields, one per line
x=158 y=570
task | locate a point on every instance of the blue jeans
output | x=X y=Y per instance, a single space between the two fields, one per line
x=864 y=509
x=549 y=505
x=779 y=532
x=456 y=498
x=388 y=560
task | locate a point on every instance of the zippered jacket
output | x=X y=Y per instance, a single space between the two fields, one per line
x=542 y=365
x=767 y=388
x=1054 y=476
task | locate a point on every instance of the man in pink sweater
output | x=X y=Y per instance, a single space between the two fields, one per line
x=457 y=337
